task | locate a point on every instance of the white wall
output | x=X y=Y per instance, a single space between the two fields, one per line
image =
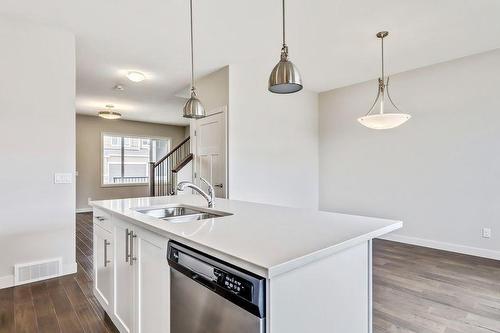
x=273 y=140
x=37 y=131
x=439 y=173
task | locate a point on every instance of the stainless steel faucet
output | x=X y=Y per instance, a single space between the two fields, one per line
x=211 y=193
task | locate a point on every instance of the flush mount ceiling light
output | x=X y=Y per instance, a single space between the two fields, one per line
x=382 y=119
x=193 y=107
x=136 y=76
x=285 y=77
x=109 y=114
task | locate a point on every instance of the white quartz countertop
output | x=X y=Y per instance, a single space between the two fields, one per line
x=264 y=239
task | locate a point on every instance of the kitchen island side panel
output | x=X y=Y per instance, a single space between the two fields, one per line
x=331 y=295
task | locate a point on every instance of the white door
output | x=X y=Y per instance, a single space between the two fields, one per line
x=123 y=277
x=211 y=151
x=103 y=267
x=153 y=284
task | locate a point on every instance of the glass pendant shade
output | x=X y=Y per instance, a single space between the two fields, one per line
x=383 y=114
x=193 y=107
x=285 y=77
x=108 y=114
x=383 y=119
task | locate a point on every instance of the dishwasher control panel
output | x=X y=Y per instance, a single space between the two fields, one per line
x=236 y=284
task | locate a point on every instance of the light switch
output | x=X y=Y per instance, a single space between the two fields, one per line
x=63 y=178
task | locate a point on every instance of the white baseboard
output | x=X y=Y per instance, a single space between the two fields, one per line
x=84 y=210
x=69 y=269
x=473 y=251
x=7 y=281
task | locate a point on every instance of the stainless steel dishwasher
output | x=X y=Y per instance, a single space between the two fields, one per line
x=210 y=296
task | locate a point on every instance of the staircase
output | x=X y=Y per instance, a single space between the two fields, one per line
x=163 y=174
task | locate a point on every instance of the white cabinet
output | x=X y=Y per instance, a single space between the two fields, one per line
x=103 y=267
x=131 y=275
x=102 y=219
x=152 y=283
x=124 y=275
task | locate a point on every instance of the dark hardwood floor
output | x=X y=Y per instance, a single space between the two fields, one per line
x=416 y=290
x=65 y=304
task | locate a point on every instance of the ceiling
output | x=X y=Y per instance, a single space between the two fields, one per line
x=331 y=41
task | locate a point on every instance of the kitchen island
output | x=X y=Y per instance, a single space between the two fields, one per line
x=316 y=265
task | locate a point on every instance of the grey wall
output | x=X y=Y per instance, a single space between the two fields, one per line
x=439 y=173
x=213 y=89
x=37 y=131
x=88 y=155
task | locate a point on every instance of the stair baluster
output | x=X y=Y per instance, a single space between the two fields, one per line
x=163 y=174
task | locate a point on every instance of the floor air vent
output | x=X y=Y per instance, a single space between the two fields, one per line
x=36 y=271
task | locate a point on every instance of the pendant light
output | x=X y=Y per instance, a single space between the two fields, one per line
x=193 y=107
x=109 y=114
x=285 y=77
x=382 y=119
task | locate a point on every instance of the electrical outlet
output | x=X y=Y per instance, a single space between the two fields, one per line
x=486 y=233
x=89 y=199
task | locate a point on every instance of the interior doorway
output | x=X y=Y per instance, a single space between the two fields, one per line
x=210 y=151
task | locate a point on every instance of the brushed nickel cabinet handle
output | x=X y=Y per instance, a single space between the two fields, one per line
x=127 y=253
x=132 y=257
x=106 y=261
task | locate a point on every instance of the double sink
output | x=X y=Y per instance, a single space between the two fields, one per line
x=182 y=213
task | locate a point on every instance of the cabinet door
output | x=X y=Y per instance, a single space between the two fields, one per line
x=123 y=309
x=152 y=284
x=103 y=267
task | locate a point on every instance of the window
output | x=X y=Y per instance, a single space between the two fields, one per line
x=132 y=143
x=116 y=141
x=125 y=159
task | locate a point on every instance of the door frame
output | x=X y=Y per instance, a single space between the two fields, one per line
x=192 y=128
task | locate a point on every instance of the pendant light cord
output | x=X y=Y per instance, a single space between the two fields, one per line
x=283 y=8
x=383 y=75
x=192 y=47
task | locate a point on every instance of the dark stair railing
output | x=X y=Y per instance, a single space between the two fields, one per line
x=163 y=174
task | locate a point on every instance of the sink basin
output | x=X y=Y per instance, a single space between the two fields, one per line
x=168 y=212
x=181 y=213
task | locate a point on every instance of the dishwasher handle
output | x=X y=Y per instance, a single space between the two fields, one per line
x=202 y=280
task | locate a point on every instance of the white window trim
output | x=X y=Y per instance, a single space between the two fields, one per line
x=101 y=175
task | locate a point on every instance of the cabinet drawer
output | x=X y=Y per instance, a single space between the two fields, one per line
x=102 y=219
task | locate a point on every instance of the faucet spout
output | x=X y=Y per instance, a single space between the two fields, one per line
x=210 y=196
